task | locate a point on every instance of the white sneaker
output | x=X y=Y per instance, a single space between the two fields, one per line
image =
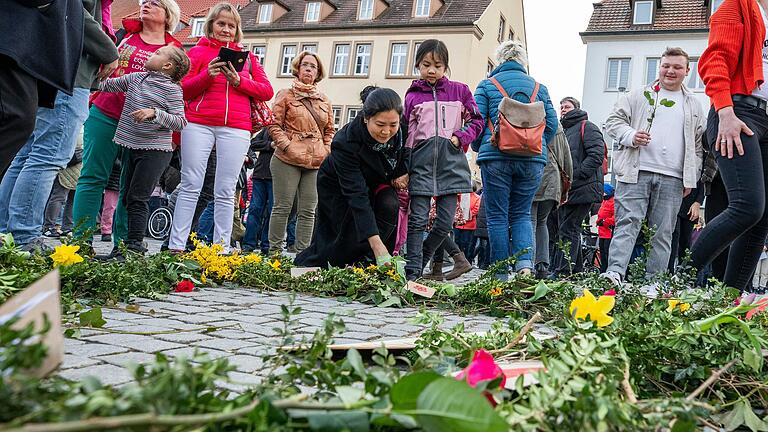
x=613 y=277
x=651 y=290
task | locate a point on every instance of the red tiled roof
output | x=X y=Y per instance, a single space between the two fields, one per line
x=674 y=15
x=189 y=9
x=398 y=14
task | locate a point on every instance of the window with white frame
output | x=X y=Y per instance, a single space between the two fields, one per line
x=415 y=71
x=197 y=27
x=694 y=80
x=651 y=69
x=341 y=59
x=310 y=47
x=502 y=29
x=618 y=73
x=366 y=10
x=289 y=53
x=265 y=13
x=337 y=113
x=313 y=12
x=260 y=51
x=716 y=4
x=643 y=12
x=422 y=8
x=398 y=59
x=362 y=59
x=352 y=113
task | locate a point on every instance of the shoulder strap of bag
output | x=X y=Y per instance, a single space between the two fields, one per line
x=313 y=112
x=535 y=92
x=498 y=86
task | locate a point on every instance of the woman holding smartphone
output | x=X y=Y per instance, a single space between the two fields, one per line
x=219 y=114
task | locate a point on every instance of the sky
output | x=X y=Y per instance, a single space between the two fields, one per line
x=556 y=53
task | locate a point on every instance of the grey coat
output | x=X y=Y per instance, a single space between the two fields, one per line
x=98 y=48
x=558 y=153
x=439 y=168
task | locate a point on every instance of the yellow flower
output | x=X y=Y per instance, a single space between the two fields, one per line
x=596 y=309
x=253 y=259
x=496 y=291
x=371 y=268
x=65 y=255
x=202 y=278
x=393 y=275
x=275 y=264
x=672 y=304
x=358 y=271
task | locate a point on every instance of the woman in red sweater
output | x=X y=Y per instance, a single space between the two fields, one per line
x=733 y=67
x=219 y=113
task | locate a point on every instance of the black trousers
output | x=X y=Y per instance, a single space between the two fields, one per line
x=681 y=241
x=571 y=218
x=605 y=251
x=744 y=224
x=717 y=202
x=18 y=109
x=143 y=171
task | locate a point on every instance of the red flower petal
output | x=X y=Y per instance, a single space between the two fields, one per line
x=611 y=292
x=184 y=286
x=482 y=368
x=657 y=88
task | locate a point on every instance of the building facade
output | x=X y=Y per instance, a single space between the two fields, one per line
x=374 y=42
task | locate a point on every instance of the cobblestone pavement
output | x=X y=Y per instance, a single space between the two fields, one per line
x=177 y=324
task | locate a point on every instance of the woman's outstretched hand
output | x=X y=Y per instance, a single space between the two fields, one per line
x=379 y=251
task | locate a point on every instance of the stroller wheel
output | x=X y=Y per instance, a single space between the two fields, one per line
x=159 y=224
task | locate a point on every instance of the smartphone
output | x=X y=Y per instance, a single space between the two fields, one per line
x=237 y=58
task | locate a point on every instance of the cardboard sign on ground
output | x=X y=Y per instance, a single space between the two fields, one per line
x=41 y=299
x=299 y=271
x=420 y=289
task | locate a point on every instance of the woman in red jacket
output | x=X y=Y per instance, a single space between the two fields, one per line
x=734 y=68
x=219 y=113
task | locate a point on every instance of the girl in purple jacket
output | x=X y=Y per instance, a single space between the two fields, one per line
x=443 y=120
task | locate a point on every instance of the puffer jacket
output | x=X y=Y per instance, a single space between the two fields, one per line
x=434 y=115
x=587 y=153
x=213 y=101
x=299 y=140
x=558 y=152
x=519 y=85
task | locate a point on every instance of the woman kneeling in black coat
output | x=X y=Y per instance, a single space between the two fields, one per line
x=357 y=210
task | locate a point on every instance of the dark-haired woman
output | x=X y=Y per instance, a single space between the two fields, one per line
x=358 y=206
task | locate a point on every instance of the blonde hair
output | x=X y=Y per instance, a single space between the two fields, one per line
x=172 y=14
x=512 y=50
x=296 y=63
x=214 y=13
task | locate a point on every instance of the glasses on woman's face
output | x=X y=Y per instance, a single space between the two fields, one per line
x=308 y=65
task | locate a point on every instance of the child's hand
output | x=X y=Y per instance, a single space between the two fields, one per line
x=401 y=182
x=143 y=114
x=455 y=142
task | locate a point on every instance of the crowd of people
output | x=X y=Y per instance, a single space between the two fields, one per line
x=394 y=181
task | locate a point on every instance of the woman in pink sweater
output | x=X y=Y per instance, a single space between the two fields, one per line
x=219 y=114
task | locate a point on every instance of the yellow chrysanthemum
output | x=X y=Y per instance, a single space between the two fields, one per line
x=371 y=268
x=65 y=255
x=275 y=264
x=253 y=259
x=358 y=271
x=393 y=275
x=595 y=308
x=496 y=291
x=672 y=304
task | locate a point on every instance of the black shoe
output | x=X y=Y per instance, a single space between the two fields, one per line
x=542 y=272
x=111 y=256
x=106 y=237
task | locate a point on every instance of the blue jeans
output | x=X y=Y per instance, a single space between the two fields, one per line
x=27 y=184
x=206 y=224
x=508 y=190
x=257 y=224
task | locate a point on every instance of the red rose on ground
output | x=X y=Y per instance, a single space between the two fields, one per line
x=482 y=368
x=184 y=286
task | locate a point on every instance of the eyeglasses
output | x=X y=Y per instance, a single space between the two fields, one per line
x=154 y=3
x=308 y=65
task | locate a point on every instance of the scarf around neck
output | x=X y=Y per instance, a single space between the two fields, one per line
x=305 y=90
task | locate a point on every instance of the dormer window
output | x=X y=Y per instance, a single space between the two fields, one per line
x=643 y=13
x=313 y=12
x=265 y=13
x=422 y=8
x=366 y=10
x=716 y=4
x=197 y=27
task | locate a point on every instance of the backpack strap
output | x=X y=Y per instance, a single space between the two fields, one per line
x=535 y=92
x=498 y=86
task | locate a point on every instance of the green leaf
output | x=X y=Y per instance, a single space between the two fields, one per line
x=405 y=392
x=349 y=395
x=751 y=359
x=667 y=103
x=92 y=318
x=684 y=425
x=333 y=421
x=449 y=405
x=648 y=96
x=753 y=421
x=356 y=361
x=735 y=417
x=541 y=290
x=392 y=301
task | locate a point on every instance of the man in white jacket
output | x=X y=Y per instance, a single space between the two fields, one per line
x=659 y=129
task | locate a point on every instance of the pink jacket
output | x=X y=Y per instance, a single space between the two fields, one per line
x=213 y=101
